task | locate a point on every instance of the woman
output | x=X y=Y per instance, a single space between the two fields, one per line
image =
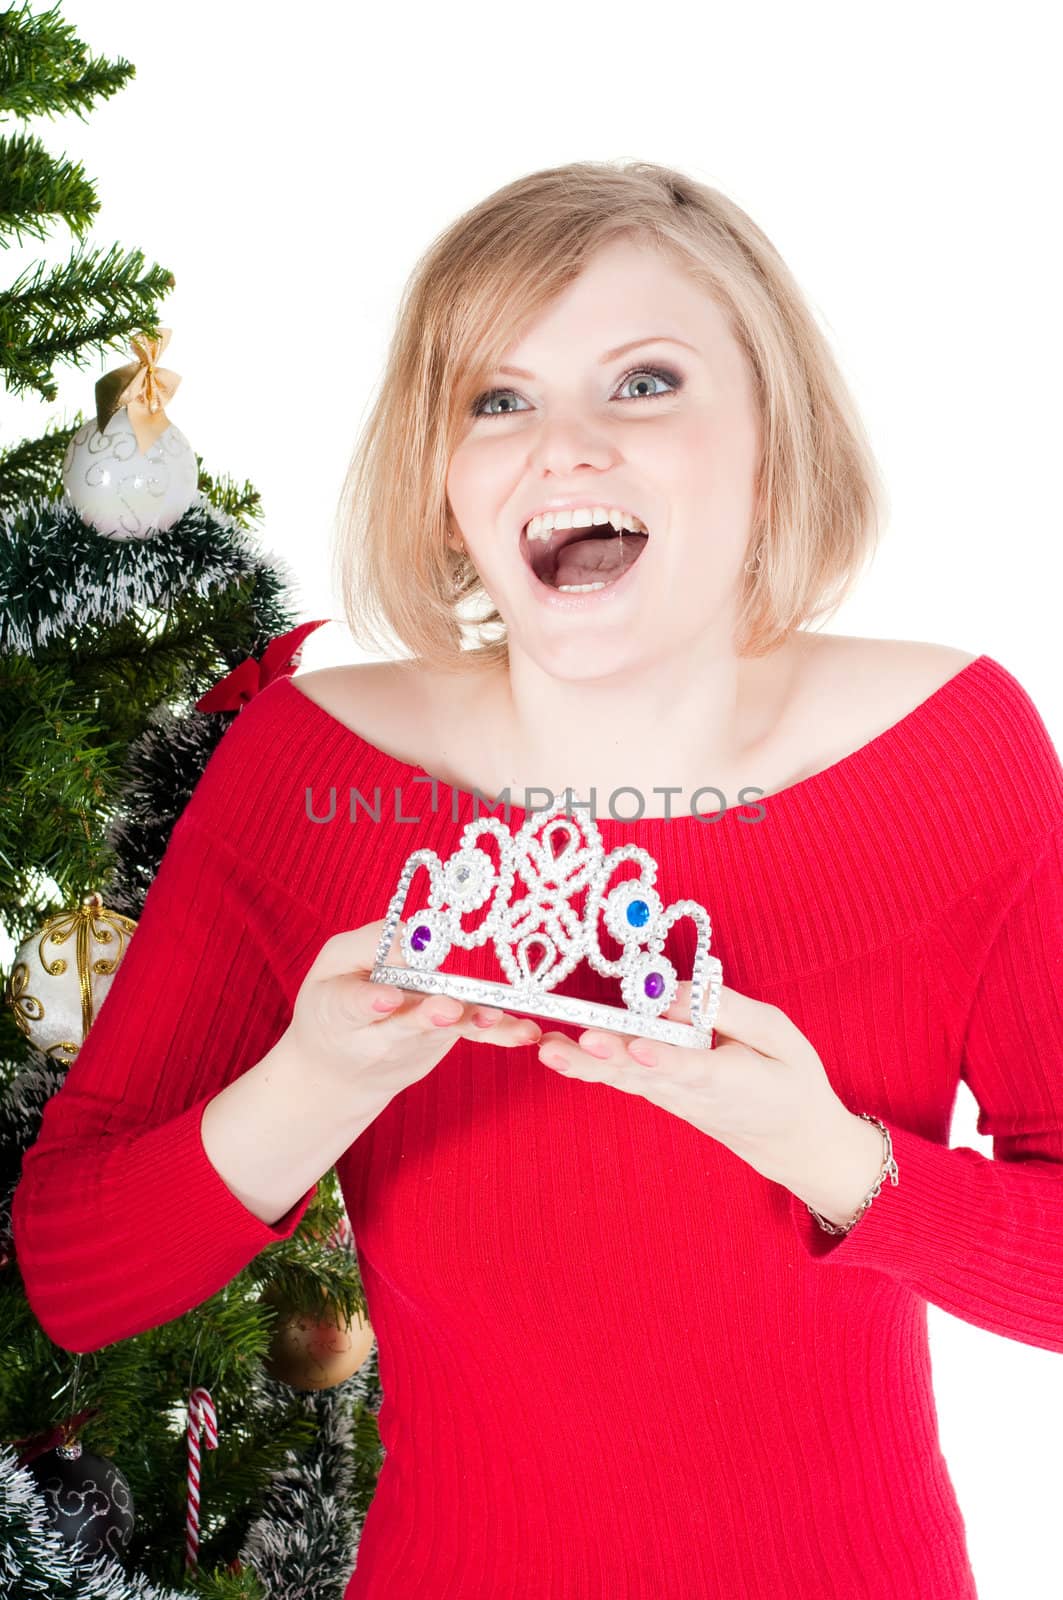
x=669 y=1342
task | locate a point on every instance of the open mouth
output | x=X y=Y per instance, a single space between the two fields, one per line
x=575 y=560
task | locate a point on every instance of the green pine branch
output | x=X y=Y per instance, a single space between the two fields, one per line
x=104 y=647
x=90 y=303
x=94 y=634
x=243 y=504
x=34 y=466
x=46 y=70
x=36 y=188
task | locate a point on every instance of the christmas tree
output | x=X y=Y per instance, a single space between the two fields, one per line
x=226 y=1463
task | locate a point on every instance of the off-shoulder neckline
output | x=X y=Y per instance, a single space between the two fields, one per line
x=804 y=789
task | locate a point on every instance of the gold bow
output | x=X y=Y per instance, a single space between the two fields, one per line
x=142 y=387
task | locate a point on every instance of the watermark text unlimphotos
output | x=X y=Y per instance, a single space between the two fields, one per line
x=625 y=804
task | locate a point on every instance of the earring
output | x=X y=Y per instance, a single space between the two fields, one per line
x=753 y=565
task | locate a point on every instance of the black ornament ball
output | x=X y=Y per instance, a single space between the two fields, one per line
x=88 y=1500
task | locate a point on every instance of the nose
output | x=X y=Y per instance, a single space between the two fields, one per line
x=565 y=442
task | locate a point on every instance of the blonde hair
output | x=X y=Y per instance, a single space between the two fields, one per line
x=494 y=271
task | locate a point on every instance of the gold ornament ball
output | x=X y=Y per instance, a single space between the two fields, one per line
x=315 y=1352
x=62 y=973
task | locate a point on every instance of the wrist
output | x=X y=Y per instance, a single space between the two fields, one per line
x=843 y=1169
x=301 y=1074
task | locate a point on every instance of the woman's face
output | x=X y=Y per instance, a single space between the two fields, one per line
x=666 y=430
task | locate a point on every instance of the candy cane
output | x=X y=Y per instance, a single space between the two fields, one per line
x=201 y=1415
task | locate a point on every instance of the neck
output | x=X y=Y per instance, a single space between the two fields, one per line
x=703 y=728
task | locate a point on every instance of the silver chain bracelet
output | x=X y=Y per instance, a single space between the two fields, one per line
x=889 y=1169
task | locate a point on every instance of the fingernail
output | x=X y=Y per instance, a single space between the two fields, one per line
x=386 y=1002
x=642 y=1052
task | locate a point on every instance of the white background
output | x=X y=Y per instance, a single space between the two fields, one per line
x=290 y=164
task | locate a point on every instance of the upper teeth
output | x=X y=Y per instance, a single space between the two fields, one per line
x=542 y=526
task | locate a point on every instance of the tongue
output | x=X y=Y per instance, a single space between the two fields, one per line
x=597 y=559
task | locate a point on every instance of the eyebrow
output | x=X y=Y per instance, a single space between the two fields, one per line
x=610 y=355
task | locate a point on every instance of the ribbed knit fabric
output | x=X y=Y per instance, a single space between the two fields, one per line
x=617 y=1362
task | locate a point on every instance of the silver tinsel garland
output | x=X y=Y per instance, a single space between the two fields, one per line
x=37 y=1564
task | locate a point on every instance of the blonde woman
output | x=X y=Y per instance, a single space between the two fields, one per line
x=651 y=1321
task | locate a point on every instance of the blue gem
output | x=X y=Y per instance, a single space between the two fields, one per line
x=638 y=913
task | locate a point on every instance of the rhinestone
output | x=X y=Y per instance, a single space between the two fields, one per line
x=638 y=913
x=654 y=985
x=421 y=937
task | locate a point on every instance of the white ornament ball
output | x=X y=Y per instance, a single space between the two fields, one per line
x=62 y=973
x=123 y=493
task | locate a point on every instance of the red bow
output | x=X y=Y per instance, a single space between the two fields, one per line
x=279 y=660
x=63 y=1433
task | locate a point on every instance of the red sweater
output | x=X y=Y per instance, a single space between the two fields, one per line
x=617 y=1362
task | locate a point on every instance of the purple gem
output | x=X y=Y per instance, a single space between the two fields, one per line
x=654 y=985
x=421 y=936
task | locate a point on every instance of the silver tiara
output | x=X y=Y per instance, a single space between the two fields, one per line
x=557 y=856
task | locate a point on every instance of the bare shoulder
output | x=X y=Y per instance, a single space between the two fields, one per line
x=857 y=688
x=364 y=695
x=391 y=704
x=905 y=663
x=894 y=667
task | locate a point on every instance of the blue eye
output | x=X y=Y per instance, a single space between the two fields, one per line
x=661 y=374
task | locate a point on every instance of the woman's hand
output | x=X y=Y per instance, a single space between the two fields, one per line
x=378 y=1037
x=763 y=1092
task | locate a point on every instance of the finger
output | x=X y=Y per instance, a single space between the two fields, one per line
x=755 y=1023
x=438 y=1013
x=416 y=1013
x=751 y=1022
x=679 y=1010
x=484 y=1018
x=601 y=1057
x=509 y=1031
x=496 y=1026
x=433 y=1012
x=370 y=1000
x=355 y=950
x=391 y=999
x=344 y=963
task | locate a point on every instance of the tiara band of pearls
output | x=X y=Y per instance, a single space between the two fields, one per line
x=556 y=856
